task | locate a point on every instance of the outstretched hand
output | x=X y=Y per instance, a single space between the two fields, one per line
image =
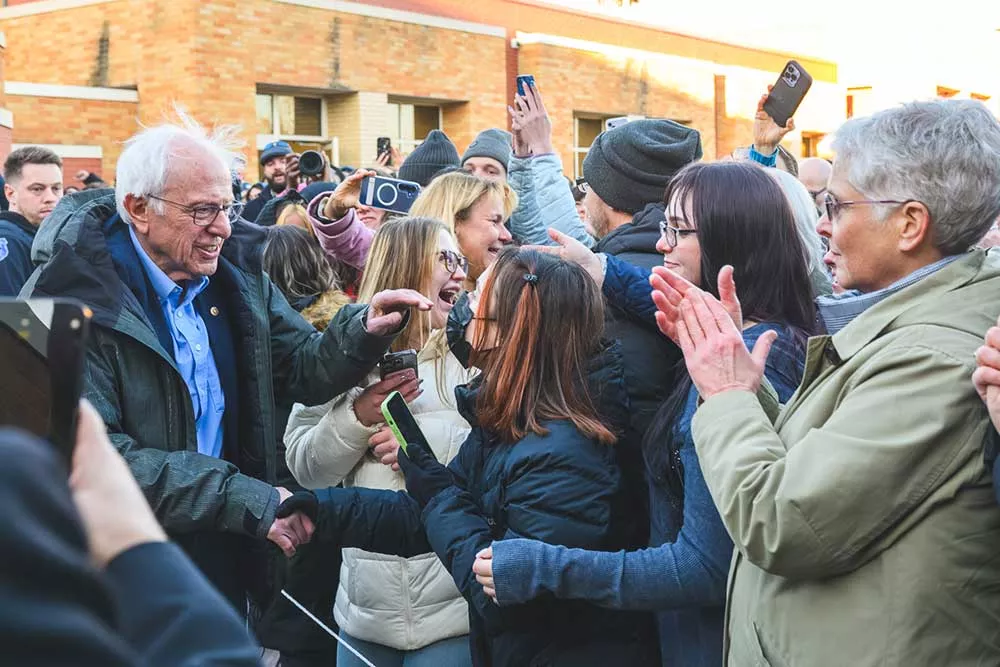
x=530 y=123
x=388 y=309
x=571 y=250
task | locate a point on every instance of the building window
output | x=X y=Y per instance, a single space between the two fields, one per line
x=585 y=130
x=860 y=101
x=287 y=116
x=810 y=143
x=409 y=124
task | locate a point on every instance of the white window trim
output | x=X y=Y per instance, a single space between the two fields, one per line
x=402 y=16
x=70 y=151
x=26 y=89
x=6 y=118
x=274 y=136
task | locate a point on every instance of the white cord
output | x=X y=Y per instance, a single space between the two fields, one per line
x=328 y=630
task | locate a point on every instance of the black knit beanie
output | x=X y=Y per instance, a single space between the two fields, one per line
x=434 y=154
x=630 y=166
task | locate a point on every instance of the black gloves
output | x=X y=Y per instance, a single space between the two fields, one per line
x=425 y=476
x=300 y=501
x=458 y=321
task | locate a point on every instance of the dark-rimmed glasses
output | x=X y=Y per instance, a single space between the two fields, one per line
x=671 y=234
x=832 y=206
x=453 y=261
x=203 y=215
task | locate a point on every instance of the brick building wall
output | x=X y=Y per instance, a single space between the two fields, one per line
x=213 y=57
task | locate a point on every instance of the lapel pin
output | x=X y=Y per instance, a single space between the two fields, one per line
x=214 y=310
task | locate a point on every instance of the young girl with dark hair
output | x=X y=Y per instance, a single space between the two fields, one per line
x=538 y=463
x=717 y=214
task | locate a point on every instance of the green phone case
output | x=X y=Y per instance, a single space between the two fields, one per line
x=391 y=422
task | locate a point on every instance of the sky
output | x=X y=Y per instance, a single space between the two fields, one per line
x=868 y=39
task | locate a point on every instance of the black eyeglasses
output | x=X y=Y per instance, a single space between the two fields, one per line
x=203 y=215
x=671 y=234
x=832 y=206
x=453 y=261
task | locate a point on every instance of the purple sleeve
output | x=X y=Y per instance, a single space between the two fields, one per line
x=346 y=239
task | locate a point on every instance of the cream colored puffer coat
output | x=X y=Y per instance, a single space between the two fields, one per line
x=403 y=603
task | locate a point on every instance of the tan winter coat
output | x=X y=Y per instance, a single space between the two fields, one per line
x=404 y=603
x=866 y=527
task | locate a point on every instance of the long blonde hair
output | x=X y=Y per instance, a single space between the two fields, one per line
x=295 y=209
x=450 y=198
x=403 y=255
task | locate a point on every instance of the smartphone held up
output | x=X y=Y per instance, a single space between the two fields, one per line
x=787 y=93
x=388 y=194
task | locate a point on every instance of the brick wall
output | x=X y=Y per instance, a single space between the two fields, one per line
x=212 y=56
x=75 y=122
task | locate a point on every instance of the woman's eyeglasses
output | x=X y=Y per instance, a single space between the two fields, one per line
x=453 y=261
x=832 y=206
x=671 y=234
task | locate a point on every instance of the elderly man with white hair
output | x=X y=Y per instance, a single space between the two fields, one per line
x=192 y=345
x=864 y=521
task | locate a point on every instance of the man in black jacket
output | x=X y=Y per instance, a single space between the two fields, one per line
x=34 y=185
x=89 y=578
x=279 y=168
x=192 y=345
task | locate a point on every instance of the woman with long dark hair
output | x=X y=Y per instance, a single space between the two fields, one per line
x=717 y=215
x=538 y=463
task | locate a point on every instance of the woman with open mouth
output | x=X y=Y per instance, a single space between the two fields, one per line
x=388 y=607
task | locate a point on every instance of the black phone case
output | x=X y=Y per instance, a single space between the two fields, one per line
x=398 y=361
x=788 y=93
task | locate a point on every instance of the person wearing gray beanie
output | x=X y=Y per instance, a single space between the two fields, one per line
x=489 y=154
x=435 y=154
x=629 y=167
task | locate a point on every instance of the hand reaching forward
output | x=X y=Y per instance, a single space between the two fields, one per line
x=571 y=250
x=716 y=357
x=387 y=310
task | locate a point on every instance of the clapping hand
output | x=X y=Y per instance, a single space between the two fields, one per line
x=987 y=376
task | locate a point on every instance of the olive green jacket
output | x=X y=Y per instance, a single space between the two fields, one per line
x=865 y=524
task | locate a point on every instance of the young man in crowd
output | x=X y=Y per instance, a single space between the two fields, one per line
x=34 y=185
x=863 y=514
x=488 y=155
x=192 y=347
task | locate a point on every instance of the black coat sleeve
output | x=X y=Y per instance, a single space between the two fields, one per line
x=386 y=522
x=171 y=615
x=57 y=609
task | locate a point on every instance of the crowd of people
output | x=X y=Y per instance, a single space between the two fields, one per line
x=677 y=412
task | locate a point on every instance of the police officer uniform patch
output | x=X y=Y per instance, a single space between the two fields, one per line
x=3 y=249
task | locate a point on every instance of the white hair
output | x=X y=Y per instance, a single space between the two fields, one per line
x=804 y=209
x=144 y=165
x=944 y=154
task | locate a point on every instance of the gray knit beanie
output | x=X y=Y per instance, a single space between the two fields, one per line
x=630 y=166
x=494 y=143
x=434 y=154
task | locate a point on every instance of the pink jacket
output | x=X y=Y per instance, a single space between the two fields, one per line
x=346 y=239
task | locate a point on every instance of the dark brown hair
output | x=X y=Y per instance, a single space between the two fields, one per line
x=15 y=162
x=549 y=316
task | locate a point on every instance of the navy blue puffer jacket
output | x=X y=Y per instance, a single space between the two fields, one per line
x=562 y=488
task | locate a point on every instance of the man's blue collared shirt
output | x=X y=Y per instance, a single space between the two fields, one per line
x=192 y=350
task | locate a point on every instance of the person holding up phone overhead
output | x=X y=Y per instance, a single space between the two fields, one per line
x=391 y=608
